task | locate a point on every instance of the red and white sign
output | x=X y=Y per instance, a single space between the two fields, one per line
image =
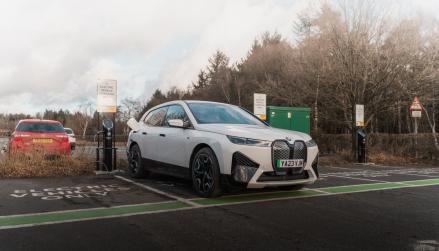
x=416 y=108
x=416 y=105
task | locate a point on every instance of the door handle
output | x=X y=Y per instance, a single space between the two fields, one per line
x=144 y=133
x=162 y=135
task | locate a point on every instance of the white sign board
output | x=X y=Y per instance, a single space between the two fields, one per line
x=359 y=115
x=416 y=114
x=260 y=105
x=106 y=96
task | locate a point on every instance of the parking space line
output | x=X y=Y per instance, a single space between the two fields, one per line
x=355 y=178
x=316 y=190
x=343 y=168
x=422 y=175
x=151 y=189
x=228 y=200
x=424 y=182
x=29 y=220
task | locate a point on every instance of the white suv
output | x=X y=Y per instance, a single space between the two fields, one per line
x=217 y=145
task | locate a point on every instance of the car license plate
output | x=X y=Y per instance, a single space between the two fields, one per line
x=42 y=141
x=289 y=163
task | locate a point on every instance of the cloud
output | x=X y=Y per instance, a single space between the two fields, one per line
x=52 y=52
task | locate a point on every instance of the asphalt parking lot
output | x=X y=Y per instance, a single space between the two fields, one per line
x=349 y=208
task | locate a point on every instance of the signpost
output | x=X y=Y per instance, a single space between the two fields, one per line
x=260 y=105
x=416 y=112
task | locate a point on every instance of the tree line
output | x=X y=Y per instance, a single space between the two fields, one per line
x=342 y=56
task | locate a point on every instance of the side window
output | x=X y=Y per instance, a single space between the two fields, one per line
x=155 y=118
x=176 y=112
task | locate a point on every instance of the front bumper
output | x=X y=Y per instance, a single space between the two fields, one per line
x=259 y=180
x=258 y=171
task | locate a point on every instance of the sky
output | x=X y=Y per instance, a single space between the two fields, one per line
x=52 y=52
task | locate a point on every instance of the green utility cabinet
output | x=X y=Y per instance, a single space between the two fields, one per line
x=291 y=118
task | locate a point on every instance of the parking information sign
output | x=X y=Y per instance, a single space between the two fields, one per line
x=359 y=115
x=260 y=105
x=106 y=96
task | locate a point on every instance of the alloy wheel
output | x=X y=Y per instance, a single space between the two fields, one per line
x=202 y=173
x=134 y=161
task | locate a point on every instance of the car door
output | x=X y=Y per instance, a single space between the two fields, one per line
x=149 y=131
x=172 y=142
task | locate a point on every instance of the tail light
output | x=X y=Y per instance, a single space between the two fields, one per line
x=19 y=137
x=64 y=138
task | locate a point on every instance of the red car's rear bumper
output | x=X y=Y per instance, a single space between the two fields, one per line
x=61 y=149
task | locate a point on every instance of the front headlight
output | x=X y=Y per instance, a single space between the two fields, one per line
x=310 y=143
x=251 y=142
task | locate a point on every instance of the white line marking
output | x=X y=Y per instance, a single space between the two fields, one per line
x=355 y=178
x=379 y=181
x=151 y=189
x=421 y=175
x=315 y=190
x=344 y=168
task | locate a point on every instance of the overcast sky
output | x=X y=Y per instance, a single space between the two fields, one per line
x=53 y=52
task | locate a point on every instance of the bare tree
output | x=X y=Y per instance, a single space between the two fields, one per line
x=84 y=117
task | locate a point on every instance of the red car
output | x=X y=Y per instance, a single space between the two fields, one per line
x=47 y=136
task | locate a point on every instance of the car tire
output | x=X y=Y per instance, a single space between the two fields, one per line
x=205 y=173
x=292 y=187
x=135 y=165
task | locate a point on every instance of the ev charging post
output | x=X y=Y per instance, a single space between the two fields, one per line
x=106 y=106
x=361 y=151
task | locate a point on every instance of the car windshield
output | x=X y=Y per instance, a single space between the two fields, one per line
x=40 y=127
x=214 y=113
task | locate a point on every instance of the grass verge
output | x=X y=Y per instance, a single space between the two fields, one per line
x=40 y=165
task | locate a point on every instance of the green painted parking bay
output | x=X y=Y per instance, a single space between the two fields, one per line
x=86 y=214
x=26 y=220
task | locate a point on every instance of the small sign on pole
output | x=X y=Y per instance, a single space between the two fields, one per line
x=260 y=105
x=106 y=101
x=359 y=115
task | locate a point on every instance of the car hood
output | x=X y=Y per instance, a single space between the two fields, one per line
x=254 y=132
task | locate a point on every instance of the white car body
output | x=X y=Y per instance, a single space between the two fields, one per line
x=72 y=137
x=165 y=146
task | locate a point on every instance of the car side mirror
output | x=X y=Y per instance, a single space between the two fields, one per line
x=133 y=124
x=176 y=123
